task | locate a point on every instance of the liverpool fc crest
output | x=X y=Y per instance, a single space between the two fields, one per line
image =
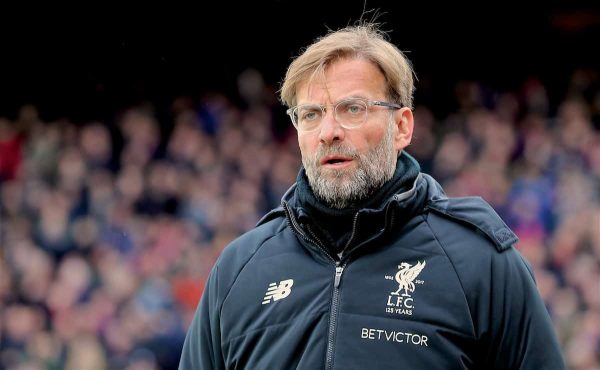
x=406 y=277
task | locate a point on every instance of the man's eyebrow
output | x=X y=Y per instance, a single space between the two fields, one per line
x=355 y=96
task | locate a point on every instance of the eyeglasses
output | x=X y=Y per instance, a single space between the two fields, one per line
x=350 y=113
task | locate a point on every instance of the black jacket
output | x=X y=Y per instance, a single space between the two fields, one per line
x=426 y=282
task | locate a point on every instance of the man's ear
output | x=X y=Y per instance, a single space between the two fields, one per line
x=404 y=120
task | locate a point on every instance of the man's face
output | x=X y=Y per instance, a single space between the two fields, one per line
x=345 y=166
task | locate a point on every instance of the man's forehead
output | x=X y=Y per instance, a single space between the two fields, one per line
x=315 y=89
x=341 y=79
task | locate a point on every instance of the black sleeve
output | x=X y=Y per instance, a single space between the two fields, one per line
x=202 y=346
x=520 y=333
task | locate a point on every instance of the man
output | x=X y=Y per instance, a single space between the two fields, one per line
x=367 y=264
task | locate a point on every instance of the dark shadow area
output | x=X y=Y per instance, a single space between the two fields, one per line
x=86 y=65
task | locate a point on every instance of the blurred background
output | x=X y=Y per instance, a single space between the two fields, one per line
x=135 y=143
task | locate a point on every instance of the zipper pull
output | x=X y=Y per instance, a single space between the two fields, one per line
x=338 y=275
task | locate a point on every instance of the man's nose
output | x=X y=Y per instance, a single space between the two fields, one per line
x=330 y=129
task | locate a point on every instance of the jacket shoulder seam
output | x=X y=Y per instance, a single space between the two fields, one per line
x=242 y=268
x=502 y=237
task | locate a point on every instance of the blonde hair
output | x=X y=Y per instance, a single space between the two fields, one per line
x=366 y=41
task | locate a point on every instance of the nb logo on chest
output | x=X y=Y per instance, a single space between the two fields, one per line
x=276 y=292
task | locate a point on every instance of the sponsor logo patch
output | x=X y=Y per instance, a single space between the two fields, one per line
x=276 y=292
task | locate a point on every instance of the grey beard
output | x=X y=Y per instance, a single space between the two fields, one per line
x=345 y=187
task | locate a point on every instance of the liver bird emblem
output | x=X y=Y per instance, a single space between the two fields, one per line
x=406 y=275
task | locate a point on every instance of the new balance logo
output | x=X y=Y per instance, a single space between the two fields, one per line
x=276 y=292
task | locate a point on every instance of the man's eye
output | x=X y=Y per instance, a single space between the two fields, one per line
x=310 y=115
x=354 y=108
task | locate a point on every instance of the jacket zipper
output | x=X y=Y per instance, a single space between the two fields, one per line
x=339 y=270
x=354 y=224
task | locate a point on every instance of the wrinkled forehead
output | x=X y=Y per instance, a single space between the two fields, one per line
x=314 y=89
x=341 y=79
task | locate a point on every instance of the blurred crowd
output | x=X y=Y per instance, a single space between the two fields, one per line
x=109 y=229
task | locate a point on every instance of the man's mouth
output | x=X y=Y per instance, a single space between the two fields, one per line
x=335 y=161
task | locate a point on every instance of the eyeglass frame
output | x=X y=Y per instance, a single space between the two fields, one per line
x=368 y=102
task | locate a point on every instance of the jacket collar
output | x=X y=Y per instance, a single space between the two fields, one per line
x=423 y=190
x=391 y=217
x=406 y=170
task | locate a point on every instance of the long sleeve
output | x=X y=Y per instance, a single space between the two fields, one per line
x=202 y=346
x=521 y=334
